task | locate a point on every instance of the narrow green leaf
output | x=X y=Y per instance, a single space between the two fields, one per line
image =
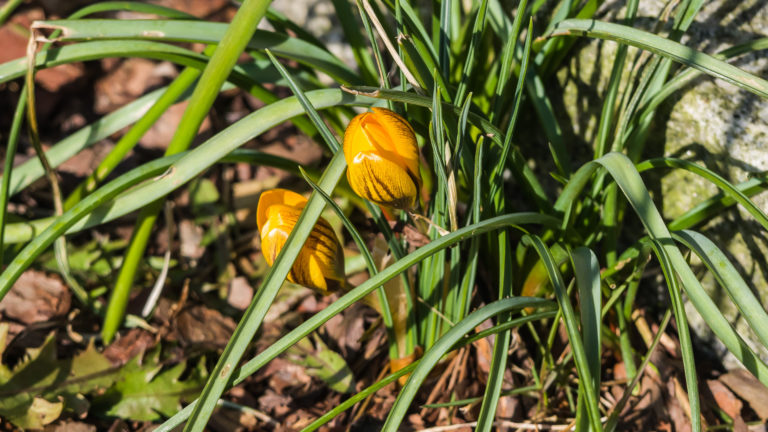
x=546 y=114
x=464 y=402
x=356 y=41
x=648 y=107
x=347 y=404
x=202 y=32
x=577 y=347
x=134 y=6
x=587 y=271
x=715 y=204
x=495 y=179
x=10 y=154
x=31 y=170
x=683 y=332
x=729 y=278
x=477 y=31
x=383 y=78
x=328 y=137
x=445 y=34
x=663 y=47
x=25 y=231
x=507 y=56
x=413 y=22
x=613 y=418
x=101 y=49
x=284 y=25
x=609 y=105
x=468 y=281
x=728 y=189
x=7 y=10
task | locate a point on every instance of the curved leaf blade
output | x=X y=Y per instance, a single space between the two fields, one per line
x=663 y=47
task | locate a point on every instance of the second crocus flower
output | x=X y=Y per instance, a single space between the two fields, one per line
x=320 y=264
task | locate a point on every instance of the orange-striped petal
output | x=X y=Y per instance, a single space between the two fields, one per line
x=402 y=134
x=383 y=157
x=382 y=181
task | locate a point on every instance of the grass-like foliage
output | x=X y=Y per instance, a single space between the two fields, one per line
x=540 y=241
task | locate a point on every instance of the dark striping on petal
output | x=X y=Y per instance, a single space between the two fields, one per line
x=367 y=190
x=370 y=186
x=324 y=229
x=393 y=201
x=333 y=284
x=381 y=186
x=319 y=246
x=414 y=179
x=329 y=242
x=292 y=274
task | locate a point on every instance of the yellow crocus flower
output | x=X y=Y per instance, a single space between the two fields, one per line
x=383 y=159
x=320 y=264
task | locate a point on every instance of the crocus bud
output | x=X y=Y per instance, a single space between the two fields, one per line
x=320 y=264
x=383 y=159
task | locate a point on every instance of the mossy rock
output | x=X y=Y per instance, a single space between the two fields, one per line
x=709 y=122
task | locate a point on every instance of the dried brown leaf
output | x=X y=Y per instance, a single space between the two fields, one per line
x=347 y=329
x=285 y=376
x=200 y=325
x=161 y=133
x=240 y=293
x=483 y=349
x=70 y=426
x=725 y=399
x=129 y=345
x=190 y=236
x=198 y=8
x=84 y=162
x=127 y=81
x=675 y=409
x=275 y=404
x=36 y=297
x=750 y=389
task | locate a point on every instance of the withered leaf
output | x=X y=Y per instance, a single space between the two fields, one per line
x=748 y=388
x=36 y=297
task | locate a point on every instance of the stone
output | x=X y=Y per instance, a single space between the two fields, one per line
x=318 y=17
x=710 y=121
